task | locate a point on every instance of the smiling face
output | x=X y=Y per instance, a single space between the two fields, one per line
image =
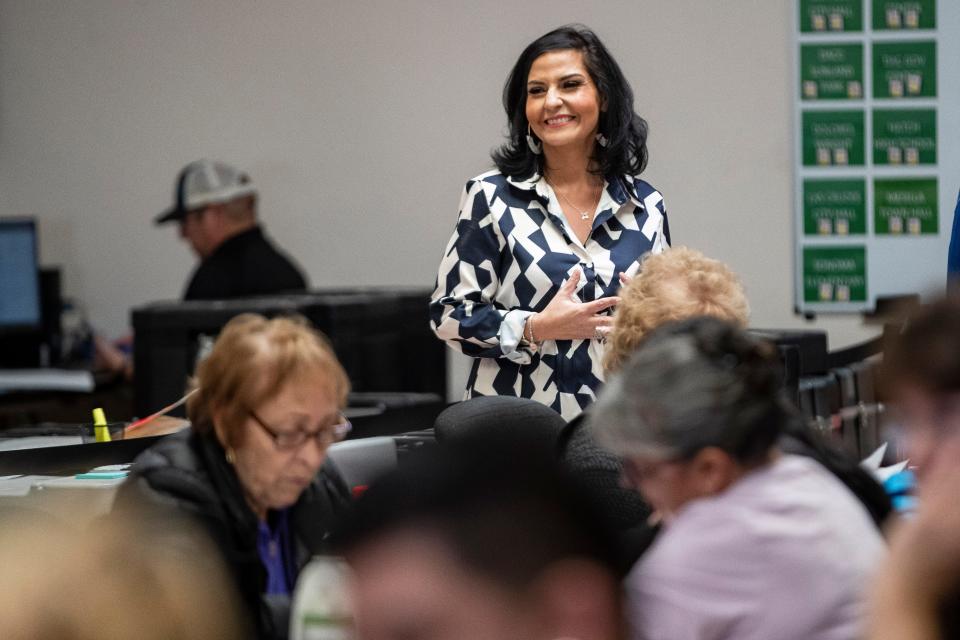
x=563 y=105
x=274 y=478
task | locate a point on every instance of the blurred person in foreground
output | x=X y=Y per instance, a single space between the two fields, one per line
x=112 y=581
x=252 y=468
x=487 y=544
x=756 y=543
x=917 y=594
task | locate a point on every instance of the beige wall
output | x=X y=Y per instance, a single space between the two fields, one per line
x=361 y=121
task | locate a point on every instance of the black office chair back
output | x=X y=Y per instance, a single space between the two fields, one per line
x=500 y=421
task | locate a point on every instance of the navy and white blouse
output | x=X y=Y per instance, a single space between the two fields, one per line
x=511 y=251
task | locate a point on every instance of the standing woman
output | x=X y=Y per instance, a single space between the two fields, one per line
x=529 y=279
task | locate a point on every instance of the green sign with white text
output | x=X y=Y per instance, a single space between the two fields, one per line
x=831 y=15
x=905 y=69
x=834 y=207
x=895 y=15
x=905 y=206
x=833 y=138
x=831 y=72
x=835 y=274
x=904 y=136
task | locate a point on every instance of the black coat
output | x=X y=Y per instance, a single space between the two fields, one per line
x=246 y=264
x=187 y=473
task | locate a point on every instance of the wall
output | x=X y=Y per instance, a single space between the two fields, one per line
x=361 y=121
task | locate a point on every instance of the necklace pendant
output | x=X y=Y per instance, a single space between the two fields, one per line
x=584 y=215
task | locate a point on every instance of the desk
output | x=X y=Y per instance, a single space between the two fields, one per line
x=48 y=466
x=20 y=408
x=37 y=471
x=52 y=450
x=75 y=501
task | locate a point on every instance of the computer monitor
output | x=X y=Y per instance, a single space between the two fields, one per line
x=19 y=276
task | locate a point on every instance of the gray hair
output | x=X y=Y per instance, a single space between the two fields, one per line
x=693 y=384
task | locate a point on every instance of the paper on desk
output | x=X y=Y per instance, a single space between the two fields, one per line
x=46 y=380
x=872 y=462
x=37 y=442
x=872 y=465
x=19 y=486
x=885 y=473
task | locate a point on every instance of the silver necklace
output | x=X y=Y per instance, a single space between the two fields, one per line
x=584 y=213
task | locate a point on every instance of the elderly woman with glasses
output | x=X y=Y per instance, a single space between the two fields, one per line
x=252 y=468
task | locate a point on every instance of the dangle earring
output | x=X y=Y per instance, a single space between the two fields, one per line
x=602 y=140
x=532 y=142
x=229 y=456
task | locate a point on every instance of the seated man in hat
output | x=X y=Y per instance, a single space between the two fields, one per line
x=215 y=207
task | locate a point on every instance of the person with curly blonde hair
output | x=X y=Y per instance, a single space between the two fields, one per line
x=678 y=283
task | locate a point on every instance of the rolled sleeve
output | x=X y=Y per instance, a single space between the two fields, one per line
x=463 y=310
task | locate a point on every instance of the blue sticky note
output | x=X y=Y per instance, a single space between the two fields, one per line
x=101 y=475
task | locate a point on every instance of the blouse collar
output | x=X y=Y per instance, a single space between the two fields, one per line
x=620 y=188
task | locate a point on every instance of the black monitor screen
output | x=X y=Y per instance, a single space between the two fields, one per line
x=19 y=279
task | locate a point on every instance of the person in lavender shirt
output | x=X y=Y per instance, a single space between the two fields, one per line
x=756 y=543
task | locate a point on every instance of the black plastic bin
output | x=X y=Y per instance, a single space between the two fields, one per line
x=381 y=335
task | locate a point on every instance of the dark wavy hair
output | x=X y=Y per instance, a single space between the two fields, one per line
x=626 y=132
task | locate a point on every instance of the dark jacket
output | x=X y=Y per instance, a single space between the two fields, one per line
x=246 y=264
x=626 y=513
x=187 y=473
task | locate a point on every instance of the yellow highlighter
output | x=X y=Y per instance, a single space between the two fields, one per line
x=100 y=431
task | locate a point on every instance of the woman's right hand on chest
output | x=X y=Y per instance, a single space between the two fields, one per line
x=567 y=318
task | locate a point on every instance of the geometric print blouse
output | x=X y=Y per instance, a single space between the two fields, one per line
x=510 y=252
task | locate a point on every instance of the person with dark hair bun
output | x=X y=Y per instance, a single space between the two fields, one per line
x=756 y=543
x=530 y=277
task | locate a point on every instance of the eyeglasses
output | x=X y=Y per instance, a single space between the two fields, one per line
x=634 y=472
x=290 y=440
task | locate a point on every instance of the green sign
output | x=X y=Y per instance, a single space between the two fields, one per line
x=907 y=136
x=905 y=206
x=833 y=138
x=904 y=14
x=834 y=207
x=905 y=69
x=831 y=72
x=835 y=274
x=831 y=15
